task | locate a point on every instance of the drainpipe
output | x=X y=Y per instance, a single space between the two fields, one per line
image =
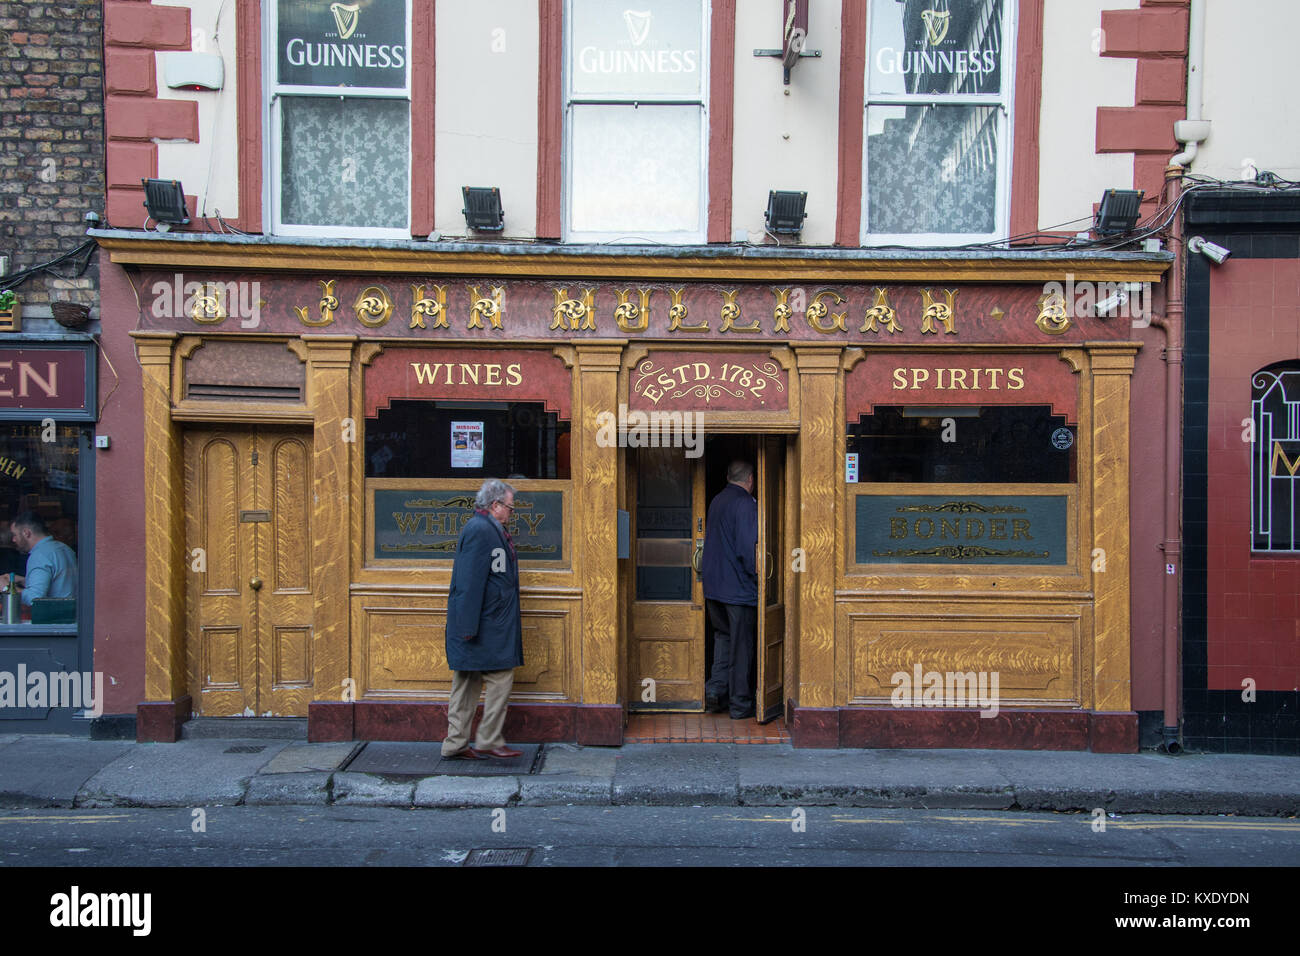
x=1190 y=132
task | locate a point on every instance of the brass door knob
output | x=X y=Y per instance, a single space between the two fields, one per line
x=255 y=584
x=698 y=556
x=771 y=568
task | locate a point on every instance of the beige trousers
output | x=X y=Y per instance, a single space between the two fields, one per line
x=465 y=686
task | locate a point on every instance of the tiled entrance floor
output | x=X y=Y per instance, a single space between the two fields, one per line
x=702 y=729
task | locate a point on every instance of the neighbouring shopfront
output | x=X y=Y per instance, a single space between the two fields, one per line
x=942 y=448
x=47 y=470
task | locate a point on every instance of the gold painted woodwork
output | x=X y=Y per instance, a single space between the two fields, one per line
x=773 y=569
x=248 y=649
x=786 y=270
x=401 y=644
x=1112 y=372
x=334 y=494
x=821 y=397
x=596 y=383
x=1034 y=648
x=165 y=565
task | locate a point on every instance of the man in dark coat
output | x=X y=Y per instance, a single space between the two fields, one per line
x=731 y=593
x=484 y=631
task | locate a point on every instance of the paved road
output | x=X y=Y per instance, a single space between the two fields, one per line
x=635 y=836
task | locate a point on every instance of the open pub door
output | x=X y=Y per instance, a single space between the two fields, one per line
x=770 y=563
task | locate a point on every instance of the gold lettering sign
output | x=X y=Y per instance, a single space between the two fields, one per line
x=782 y=313
x=580 y=313
x=435 y=308
x=882 y=311
x=818 y=310
x=328 y=303
x=468 y=373
x=374 y=306
x=1279 y=456
x=630 y=317
x=731 y=312
x=707 y=380
x=1053 y=317
x=208 y=307
x=677 y=313
x=484 y=308
x=943 y=312
x=959 y=379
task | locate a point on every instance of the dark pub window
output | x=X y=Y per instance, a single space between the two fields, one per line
x=1275 y=458
x=1010 y=444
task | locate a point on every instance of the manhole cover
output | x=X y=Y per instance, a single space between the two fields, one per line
x=401 y=759
x=245 y=749
x=499 y=856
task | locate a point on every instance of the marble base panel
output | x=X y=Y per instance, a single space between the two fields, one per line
x=889 y=728
x=161 y=721
x=427 y=720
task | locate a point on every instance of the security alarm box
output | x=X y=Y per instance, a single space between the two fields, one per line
x=194 y=71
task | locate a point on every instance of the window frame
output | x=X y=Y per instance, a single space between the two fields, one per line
x=1003 y=102
x=569 y=100
x=273 y=123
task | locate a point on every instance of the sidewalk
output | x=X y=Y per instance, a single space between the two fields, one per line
x=54 y=771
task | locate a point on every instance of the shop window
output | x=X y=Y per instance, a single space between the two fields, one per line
x=340 y=118
x=40 y=476
x=937 y=152
x=1275 y=458
x=1008 y=444
x=635 y=120
x=424 y=439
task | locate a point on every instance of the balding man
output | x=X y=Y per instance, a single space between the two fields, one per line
x=731 y=593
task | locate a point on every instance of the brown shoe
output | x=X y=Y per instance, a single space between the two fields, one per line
x=505 y=753
x=465 y=753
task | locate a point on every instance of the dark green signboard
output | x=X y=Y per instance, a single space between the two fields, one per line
x=420 y=524
x=944 y=529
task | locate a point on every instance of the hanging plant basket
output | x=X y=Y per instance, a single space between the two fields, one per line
x=71 y=315
x=11 y=312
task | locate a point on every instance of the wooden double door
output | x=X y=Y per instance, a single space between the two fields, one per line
x=669 y=635
x=248 y=552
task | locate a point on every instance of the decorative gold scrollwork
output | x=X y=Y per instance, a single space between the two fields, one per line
x=580 y=313
x=731 y=312
x=817 y=312
x=208 y=309
x=486 y=308
x=631 y=317
x=434 y=308
x=1053 y=316
x=782 y=313
x=374 y=306
x=944 y=312
x=328 y=303
x=678 y=312
x=881 y=311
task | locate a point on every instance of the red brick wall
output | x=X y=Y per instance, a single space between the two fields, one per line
x=1253 y=611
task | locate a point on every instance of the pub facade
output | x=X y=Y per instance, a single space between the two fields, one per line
x=958 y=447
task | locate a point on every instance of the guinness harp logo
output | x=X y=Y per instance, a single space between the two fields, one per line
x=638 y=25
x=345 y=18
x=936 y=25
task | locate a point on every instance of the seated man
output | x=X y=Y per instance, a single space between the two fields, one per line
x=51 y=565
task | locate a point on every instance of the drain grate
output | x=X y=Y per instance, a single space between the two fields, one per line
x=499 y=856
x=245 y=749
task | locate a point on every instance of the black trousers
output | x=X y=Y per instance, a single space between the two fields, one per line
x=735 y=628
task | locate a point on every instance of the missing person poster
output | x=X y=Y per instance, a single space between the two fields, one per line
x=467 y=444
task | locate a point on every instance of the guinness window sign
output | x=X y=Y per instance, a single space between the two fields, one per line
x=936 y=48
x=334 y=44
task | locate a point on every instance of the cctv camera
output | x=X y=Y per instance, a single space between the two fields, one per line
x=1106 y=306
x=1215 y=253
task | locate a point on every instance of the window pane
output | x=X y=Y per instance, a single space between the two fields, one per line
x=934 y=47
x=415 y=439
x=635 y=169
x=932 y=169
x=41 y=477
x=993 y=444
x=655 y=50
x=345 y=162
x=338 y=44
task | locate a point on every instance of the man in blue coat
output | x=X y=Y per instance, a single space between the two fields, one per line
x=484 y=631
x=731 y=593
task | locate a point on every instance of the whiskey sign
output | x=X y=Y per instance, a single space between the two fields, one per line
x=418 y=524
